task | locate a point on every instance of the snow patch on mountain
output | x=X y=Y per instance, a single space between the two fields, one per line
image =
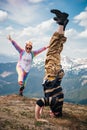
x=5 y=74
x=66 y=62
x=84 y=82
x=74 y=64
x=38 y=62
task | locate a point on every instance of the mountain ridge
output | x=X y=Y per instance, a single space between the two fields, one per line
x=74 y=82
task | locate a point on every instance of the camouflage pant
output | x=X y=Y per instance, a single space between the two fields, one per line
x=53 y=59
x=53 y=94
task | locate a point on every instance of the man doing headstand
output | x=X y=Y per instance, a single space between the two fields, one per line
x=53 y=70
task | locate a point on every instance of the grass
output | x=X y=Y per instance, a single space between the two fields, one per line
x=17 y=113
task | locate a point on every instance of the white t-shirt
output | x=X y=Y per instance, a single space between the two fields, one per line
x=25 y=61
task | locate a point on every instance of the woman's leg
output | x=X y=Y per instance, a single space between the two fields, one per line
x=22 y=75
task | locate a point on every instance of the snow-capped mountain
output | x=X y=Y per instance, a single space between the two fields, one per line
x=74 y=64
x=74 y=82
x=66 y=62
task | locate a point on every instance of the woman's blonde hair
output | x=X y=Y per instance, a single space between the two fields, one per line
x=29 y=43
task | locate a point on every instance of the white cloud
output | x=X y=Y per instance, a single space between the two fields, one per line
x=22 y=12
x=40 y=36
x=37 y=34
x=9 y=28
x=3 y=15
x=77 y=37
x=83 y=34
x=38 y=30
x=35 y=1
x=71 y=33
x=82 y=18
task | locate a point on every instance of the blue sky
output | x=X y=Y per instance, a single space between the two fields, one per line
x=31 y=20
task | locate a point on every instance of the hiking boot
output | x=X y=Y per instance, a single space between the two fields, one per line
x=22 y=88
x=60 y=17
x=20 y=93
x=59 y=22
x=60 y=14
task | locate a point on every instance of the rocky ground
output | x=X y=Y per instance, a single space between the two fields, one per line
x=17 y=113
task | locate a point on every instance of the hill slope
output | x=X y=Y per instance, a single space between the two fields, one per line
x=17 y=113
